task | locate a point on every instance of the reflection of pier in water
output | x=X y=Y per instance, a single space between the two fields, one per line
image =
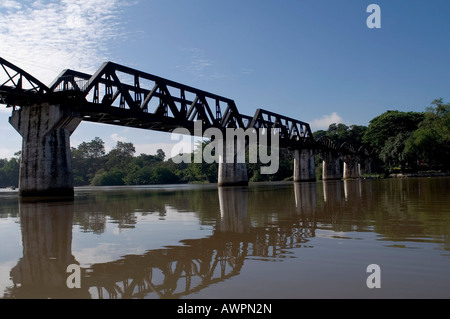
x=168 y=272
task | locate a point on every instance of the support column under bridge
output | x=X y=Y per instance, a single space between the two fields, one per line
x=46 y=164
x=351 y=166
x=232 y=165
x=304 y=166
x=331 y=166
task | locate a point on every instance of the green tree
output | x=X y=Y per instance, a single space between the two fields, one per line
x=120 y=156
x=356 y=134
x=338 y=133
x=160 y=154
x=201 y=172
x=113 y=177
x=87 y=159
x=389 y=124
x=395 y=155
x=9 y=171
x=151 y=169
x=163 y=175
x=139 y=175
x=431 y=141
x=285 y=168
x=387 y=135
x=319 y=133
x=92 y=149
x=341 y=133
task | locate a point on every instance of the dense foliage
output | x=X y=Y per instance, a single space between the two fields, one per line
x=401 y=141
x=341 y=133
x=92 y=166
x=430 y=143
x=9 y=171
x=411 y=141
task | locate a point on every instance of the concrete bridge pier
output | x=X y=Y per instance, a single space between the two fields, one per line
x=351 y=166
x=46 y=165
x=232 y=169
x=331 y=168
x=365 y=166
x=304 y=166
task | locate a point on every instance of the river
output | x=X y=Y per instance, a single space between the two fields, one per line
x=268 y=241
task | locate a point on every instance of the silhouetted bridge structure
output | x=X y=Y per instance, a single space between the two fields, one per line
x=46 y=116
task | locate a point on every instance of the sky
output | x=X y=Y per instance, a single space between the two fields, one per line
x=313 y=60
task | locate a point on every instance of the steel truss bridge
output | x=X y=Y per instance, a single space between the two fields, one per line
x=120 y=95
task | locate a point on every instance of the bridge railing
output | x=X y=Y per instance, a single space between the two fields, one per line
x=71 y=83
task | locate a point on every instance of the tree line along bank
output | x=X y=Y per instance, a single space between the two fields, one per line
x=406 y=142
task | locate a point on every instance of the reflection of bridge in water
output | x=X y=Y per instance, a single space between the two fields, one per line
x=176 y=271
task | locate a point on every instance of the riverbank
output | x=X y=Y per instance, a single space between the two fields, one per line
x=420 y=174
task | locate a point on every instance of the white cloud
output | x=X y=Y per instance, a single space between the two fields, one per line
x=198 y=65
x=45 y=37
x=325 y=121
x=117 y=138
x=10 y=4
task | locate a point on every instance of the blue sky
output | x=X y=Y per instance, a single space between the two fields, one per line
x=313 y=60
